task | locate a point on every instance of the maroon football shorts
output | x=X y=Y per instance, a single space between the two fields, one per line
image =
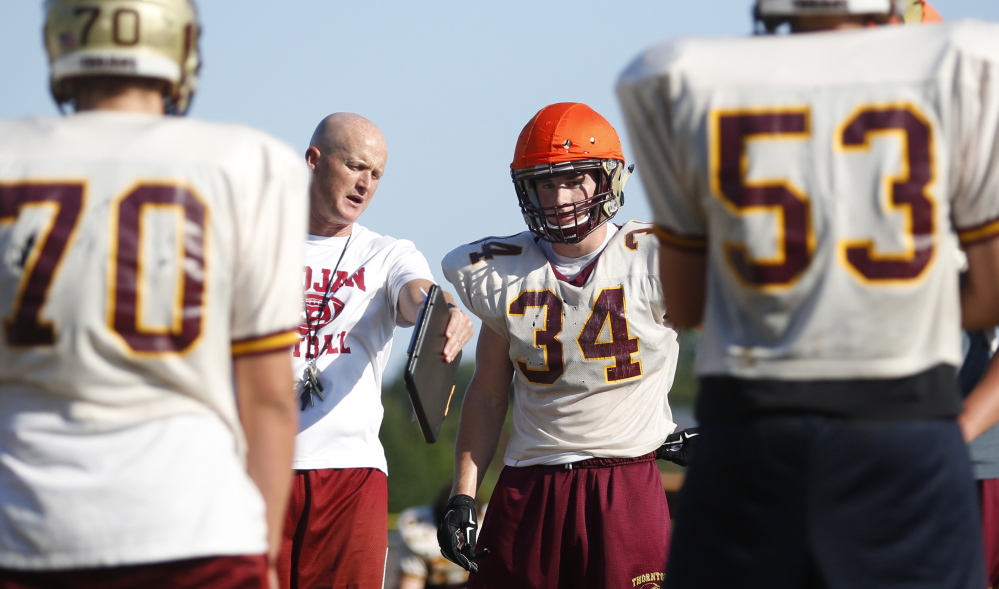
x=601 y=524
x=220 y=572
x=989 y=490
x=336 y=530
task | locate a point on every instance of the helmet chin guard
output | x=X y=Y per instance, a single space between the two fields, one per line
x=588 y=214
x=771 y=14
x=564 y=138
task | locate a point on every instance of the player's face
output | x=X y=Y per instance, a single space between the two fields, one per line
x=562 y=191
x=344 y=181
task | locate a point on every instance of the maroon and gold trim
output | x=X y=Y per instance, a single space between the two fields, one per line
x=273 y=342
x=979 y=233
x=695 y=243
x=631 y=239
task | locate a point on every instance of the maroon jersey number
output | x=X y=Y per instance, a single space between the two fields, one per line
x=608 y=309
x=45 y=251
x=790 y=205
x=41 y=256
x=545 y=338
x=907 y=192
x=188 y=306
x=495 y=248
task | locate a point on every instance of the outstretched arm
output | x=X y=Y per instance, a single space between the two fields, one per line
x=459 y=328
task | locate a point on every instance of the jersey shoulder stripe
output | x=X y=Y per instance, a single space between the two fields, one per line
x=697 y=243
x=981 y=232
x=267 y=343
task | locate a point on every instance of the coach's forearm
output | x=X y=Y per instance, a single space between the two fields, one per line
x=411 y=299
x=270 y=421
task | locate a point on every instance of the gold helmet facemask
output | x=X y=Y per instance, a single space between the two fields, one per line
x=155 y=39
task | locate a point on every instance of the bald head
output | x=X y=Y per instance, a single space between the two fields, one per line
x=347 y=156
x=335 y=132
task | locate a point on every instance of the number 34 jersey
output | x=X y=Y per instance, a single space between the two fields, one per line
x=829 y=177
x=593 y=357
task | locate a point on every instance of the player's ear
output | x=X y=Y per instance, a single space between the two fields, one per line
x=312 y=156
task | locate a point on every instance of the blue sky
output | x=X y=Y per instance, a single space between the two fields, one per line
x=450 y=84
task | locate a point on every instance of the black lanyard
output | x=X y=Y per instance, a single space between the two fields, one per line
x=312 y=330
x=310 y=379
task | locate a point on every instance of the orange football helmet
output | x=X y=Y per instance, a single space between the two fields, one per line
x=920 y=11
x=561 y=138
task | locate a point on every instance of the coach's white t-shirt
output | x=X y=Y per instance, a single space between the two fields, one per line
x=353 y=340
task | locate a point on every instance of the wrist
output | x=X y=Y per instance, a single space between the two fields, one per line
x=461 y=501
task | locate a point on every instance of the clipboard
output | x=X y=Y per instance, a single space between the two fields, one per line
x=430 y=380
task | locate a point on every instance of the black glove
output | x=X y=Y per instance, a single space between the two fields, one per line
x=456 y=535
x=678 y=446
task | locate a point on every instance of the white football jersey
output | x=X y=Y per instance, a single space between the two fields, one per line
x=140 y=254
x=593 y=357
x=829 y=178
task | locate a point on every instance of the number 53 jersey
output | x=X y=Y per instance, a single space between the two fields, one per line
x=829 y=178
x=593 y=357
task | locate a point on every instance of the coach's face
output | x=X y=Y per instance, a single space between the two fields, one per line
x=345 y=180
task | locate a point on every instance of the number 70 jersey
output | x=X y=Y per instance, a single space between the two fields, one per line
x=829 y=178
x=593 y=358
x=139 y=255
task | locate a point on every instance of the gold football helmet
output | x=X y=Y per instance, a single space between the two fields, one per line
x=138 y=38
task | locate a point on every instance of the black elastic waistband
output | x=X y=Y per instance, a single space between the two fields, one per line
x=599 y=462
x=929 y=394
